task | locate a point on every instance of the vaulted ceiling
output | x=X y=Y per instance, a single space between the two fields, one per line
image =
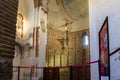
x=61 y=11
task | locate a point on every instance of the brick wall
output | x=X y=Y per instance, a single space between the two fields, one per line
x=8 y=13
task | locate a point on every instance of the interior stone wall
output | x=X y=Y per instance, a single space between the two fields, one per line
x=53 y=46
x=8 y=13
x=81 y=55
x=61 y=54
x=73 y=53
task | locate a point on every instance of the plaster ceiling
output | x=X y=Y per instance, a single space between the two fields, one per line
x=61 y=11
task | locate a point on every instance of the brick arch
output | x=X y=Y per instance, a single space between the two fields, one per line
x=8 y=14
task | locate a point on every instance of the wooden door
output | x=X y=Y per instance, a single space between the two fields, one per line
x=51 y=74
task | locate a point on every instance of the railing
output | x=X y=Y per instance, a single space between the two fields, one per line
x=74 y=72
x=114 y=51
x=115 y=64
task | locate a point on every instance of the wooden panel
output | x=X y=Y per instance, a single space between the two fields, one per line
x=81 y=73
x=51 y=74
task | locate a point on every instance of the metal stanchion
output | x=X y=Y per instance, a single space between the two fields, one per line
x=99 y=67
x=31 y=73
x=71 y=73
x=18 y=72
x=44 y=73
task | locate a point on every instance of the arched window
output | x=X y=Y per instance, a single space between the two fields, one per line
x=85 y=41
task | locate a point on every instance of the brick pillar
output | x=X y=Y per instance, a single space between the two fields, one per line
x=8 y=14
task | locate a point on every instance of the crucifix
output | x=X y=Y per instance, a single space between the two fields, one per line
x=62 y=41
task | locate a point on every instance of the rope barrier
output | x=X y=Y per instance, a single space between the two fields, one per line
x=32 y=67
x=76 y=65
x=28 y=67
x=87 y=63
x=70 y=67
x=114 y=51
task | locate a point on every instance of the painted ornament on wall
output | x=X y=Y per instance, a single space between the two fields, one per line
x=37 y=3
x=74 y=8
x=43 y=26
x=19 y=26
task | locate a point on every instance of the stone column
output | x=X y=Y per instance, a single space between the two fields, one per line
x=8 y=16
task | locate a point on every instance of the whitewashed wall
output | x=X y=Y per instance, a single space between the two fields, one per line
x=26 y=8
x=17 y=61
x=98 y=10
